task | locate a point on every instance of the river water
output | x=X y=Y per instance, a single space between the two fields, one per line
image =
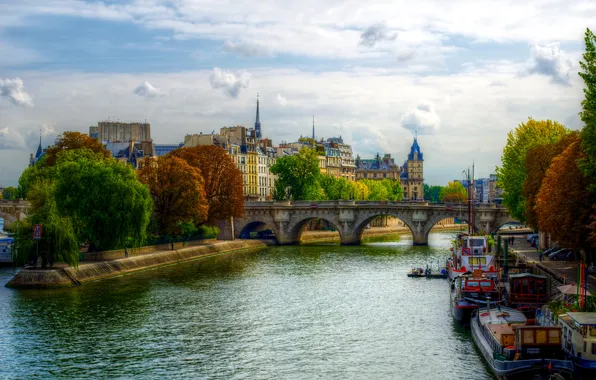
x=324 y=312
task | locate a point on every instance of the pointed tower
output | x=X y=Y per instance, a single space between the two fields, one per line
x=258 y=121
x=313 y=127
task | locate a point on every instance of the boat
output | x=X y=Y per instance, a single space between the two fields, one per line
x=514 y=350
x=470 y=253
x=6 y=245
x=579 y=338
x=428 y=273
x=469 y=292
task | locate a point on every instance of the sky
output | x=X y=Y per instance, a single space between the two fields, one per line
x=459 y=73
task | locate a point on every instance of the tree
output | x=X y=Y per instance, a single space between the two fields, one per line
x=178 y=195
x=536 y=165
x=222 y=180
x=588 y=115
x=59 y=241
x=377 y=190
x=71 y=141
x=432 y=193
x=109 y=206
x=394 y=190
x=10 y=193
x=298 y=176
x=512 y=172
x=454 y=192
x=561 y=205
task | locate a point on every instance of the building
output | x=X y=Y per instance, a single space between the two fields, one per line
x=377 y=168
x=347 y=165
x=38 y=154
x=411 y=176
x=121 y=132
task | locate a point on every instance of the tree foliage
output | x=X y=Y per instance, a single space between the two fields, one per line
x=222 y=180
x=72 y=141
x=588 y=114
x=107 y=203
x=178 y=193
x=536 y=165
x=454 y=192
x=432 y=193
x=512 y=172
x=383 y=190
x=562 y=205
x=10 y=193
x=298 y=176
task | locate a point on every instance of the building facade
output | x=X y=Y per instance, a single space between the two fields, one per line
x=121 y=132
x=411 y=177
x=377 y=168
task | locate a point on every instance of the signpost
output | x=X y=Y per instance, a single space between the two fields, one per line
x=37 y=230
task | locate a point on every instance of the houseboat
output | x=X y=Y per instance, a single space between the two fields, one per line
x=579 y=338
x=470 y=253
x=469 y=292
x=514 y=350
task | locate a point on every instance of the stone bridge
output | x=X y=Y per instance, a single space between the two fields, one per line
x=13 y=211
x=289 y=219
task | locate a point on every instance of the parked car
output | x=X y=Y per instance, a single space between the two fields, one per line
x=562 y=254
x=592 y=269
x=551 y=250
x=531 y=236
x=534 y=242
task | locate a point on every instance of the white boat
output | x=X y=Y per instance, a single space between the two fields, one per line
x=6 y=244
x=514 y=350
x=471 y=253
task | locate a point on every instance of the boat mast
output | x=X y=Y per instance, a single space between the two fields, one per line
x=473 y=200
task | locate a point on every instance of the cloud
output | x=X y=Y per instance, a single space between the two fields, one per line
x=246 y=49
x=13 y=90
x=376 y=33
x=421 y=119
x=48 y=134
x=551 y=61
x=230 y=83
x=146 y=90
x=10 y=139
x=281 y=100
x=405 y=55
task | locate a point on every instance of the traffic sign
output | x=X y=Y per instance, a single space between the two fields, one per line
x=37 y=231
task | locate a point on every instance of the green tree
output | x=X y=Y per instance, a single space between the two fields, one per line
x=512 y=172
x=588 y=114
x=10 y=193
x=453 y=192
x=108 y=204
x=432 y=193
x=378 y=191
x=298 y=176
x=59 y=241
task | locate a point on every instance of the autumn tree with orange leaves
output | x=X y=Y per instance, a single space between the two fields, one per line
x=562 y=205
x=178 y=194
x=74 y=140
x=223 y=180
x=537 y=162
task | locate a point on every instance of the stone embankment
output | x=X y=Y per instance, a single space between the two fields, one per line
x=87 y=271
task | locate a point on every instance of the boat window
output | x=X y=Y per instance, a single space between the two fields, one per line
x=476 y=242
x=528 y=337
x=484 y=284
x=553 y=336
x=593 y=348
x=472 y=283
x=541 y=337
x=585 y=346
x=592 y=330
x=477 y=260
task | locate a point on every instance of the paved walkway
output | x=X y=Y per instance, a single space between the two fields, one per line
x=568 y=269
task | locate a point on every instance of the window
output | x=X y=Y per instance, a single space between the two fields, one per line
x=593 y=348
x=585 y=346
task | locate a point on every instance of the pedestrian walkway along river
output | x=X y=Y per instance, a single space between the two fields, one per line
x=292 y=312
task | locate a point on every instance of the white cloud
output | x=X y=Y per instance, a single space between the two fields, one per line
x=47 y=132
x=10 y=139
x=421 y=119
x=551 y=61
x=14 y=91
x=281 y=100
x=376 y=33
x=246 y=49
x=231 y=83
x=146 y=90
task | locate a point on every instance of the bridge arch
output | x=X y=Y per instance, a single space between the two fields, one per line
x=258 y=230
x=300 y=225
x=360 y=225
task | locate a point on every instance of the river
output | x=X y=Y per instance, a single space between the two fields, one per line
x=292 y=312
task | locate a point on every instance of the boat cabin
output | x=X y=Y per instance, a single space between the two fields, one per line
x=579 y=334
x=526 y=289
x=6 y=244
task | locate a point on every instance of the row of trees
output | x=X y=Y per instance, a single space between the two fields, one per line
x=454 y=192
x=80 y=194
x=548 y=173
x=299 y=178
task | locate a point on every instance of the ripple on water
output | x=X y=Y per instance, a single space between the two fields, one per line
x=288 y=312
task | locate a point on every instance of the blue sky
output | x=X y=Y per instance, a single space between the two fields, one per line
x=460 y=73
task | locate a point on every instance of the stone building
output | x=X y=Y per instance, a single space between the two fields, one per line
x=121 y=132
x=411 y=177
x=377 y=168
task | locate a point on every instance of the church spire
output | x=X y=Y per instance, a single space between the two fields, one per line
x=258 y=121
